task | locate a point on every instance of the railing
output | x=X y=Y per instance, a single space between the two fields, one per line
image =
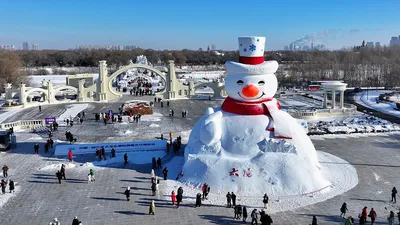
x=22 y=124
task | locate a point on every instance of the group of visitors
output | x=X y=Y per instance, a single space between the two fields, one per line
x=70 y=137
x=4 y=183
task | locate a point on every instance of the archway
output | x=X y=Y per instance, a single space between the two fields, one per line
x=204 y=90
x=39 y=98
x=134 y=66
x=65 y=93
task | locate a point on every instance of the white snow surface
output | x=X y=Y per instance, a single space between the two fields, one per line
x=278 y=167
x=369 y=100
x=341 y=175
x=6 y=114
x=57 y=80
x=72 y=111
x=152 y=118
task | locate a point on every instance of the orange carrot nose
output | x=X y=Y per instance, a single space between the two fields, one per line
x=250 y=91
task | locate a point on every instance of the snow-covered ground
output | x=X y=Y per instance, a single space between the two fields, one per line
x=369 y=100
x=57 y=80
x=5 y=114
x=71 y=112
x=339 y=173
x=352 y=124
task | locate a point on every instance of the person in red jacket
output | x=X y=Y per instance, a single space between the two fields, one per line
x=372 y=215
x=365 y=213
x=173 y=197
x=70 y=155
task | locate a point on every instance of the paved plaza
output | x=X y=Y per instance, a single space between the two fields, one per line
x=40 y=198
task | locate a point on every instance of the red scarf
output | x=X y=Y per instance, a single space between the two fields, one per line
x=246 y=108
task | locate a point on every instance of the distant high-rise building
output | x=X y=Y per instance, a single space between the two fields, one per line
x=213 y=47
x=25 y=46
x=394 y=41
x=312 y=45
x=286 y=48
x=370 y=44
x=377 y=44
x=291 y=46
x=35 y=47
x=200 y=49
x=208 y=48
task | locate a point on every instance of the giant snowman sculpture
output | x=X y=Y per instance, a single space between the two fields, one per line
x=248 y=145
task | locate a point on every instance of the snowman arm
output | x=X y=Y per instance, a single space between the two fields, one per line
x=211 y=130
x=282 y=121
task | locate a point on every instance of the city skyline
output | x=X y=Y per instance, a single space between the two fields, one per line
x=179 y=25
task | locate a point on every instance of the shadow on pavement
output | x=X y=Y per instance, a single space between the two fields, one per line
x=108 y=199
x=221 y=219
x=130 y=213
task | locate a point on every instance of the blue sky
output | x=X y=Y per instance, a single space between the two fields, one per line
x=176 y=24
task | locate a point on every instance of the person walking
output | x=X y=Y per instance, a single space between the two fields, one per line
x=89 y=178
x=198 y=200
x=349 y=221
x=204 y=190
x=63 y=171
x=128 y=193
x=314 y=220
x=154 y=188
x=364 y=213
x=55 y=222
x=391 y=218
x=112 y=153
x=40 y=108
x=3 y=186
x=75 y=221
x=244 y=211
x=165 y=173
x=11 y=185
x=91 y=172
x=5 y=171
x=126 y=158
x=153 y=163
x=152 y=174
x=152 y=208
x=254 y=217
x=394 y=193
x=36 y=148
x=70 y=155
x=372 y=215
x=59 y=176
x=173 y=197
x=159 y=163
x=233 y=196
x=265 y=200
x=228 y=200
x=343 y=210
x=179 y=197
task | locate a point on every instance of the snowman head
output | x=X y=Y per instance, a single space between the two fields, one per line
x=252 y=79
x=251 y=88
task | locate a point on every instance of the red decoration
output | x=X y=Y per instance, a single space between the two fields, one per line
x=234 y=172
x=246 y=108
x=251 y=60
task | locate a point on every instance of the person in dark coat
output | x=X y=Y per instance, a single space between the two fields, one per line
x=51 y=143
x=154 y=188
x=5 y=171
x=198 y=200
x=394 y=193
x=233 y=199
x=228 y=200
x=179 y=196
x=159 y=163
x=112 y=153
x=36 y=147
x=62 y=171
x=103 y=153
x=127 y=193
x=343 y=210
x=244 y=214
x=59 y=176
x=11 y=186
x=165 y=173
x=314 y=220
x=126 y=158
x=266 y=220
x=76 y=221
x=265 y=200
x=154 y=163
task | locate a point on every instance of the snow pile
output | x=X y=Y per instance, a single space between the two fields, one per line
x=370 y=100
x=125 y=132
x=72 y=111
x=57 y=80
x=57 y=166
x=154 y=125
x=140 y=157
x=152 y=118
x=339 y=173
x=354 y=124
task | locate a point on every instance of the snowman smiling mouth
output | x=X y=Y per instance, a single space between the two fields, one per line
x=240 y=95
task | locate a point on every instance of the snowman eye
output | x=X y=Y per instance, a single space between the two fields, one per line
x=240 y=82
x=261 y=83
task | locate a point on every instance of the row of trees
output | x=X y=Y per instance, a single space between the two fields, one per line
x=361 y=66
